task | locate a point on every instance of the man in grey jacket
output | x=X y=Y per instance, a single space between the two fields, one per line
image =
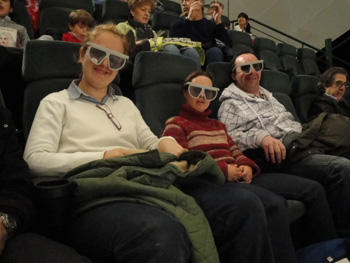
x=257 y=123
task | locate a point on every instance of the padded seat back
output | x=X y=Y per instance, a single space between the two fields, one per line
x=288 y=58
x=266 y=49
x=162 y=21
x=222 y=77
x=304 y=91
x=87 y=5
x=157 y=80
x=171 y=7
x=307 y=60
x=54 y=21
x=115 y=11
x=240 y=40
x=21 y=17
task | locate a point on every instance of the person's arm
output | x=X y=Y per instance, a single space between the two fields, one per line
x=16 y=206
x=239 y=127
x=172 y=129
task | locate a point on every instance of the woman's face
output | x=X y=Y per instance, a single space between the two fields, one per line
x=100 y=76
x=334 y=90
x=142 y=13
x=200 y=104
x=242 y=22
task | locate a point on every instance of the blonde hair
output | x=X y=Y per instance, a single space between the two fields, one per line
x=136 y=3
x=110 y=27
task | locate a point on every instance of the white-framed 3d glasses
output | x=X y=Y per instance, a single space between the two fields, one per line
x=195 y=89
x=246 y=68
x=97 y=53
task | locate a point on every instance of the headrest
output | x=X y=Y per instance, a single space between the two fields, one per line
x=50 y=59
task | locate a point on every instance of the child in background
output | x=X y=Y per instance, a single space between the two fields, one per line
x=6 y=8
x=79 y=22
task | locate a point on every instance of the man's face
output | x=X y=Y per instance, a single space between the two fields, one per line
x=337 y=88
x=247 y=82
x=186 y=5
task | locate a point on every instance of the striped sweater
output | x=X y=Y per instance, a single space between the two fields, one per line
x=194 y=130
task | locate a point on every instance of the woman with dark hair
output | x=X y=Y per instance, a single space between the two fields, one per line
x=243 y=23
x=333 y=84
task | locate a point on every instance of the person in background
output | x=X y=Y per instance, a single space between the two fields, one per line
x=6 y=9
x=243 y=24
x=17 y=208
x=212 y=34
x=79 y=23
x=34 y=13
x=138 y=24
x=258 y=123
x=333 y=84
x=194 y=130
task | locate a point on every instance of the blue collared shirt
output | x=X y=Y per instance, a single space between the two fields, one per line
x=75 y=93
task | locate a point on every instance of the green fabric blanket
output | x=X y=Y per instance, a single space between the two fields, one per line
x=148 y=178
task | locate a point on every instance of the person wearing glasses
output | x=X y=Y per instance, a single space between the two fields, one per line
x=333 y=84
x=88 y=122
x=193 y=129
x=258 y=123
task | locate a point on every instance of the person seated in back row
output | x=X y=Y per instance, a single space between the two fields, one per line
x=212 y=34
x=140 y=11
x=243 y=24
x=333 y=84
x=79 y=23
x=16 y=34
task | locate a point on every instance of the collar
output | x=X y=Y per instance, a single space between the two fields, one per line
x=242 y=93
x=332 y=97
x=190 y=113
x=75 y=93
x=5 y=19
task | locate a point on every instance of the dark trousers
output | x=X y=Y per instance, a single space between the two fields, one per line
x=34 y=248
x=129 y=232
x=237 y=220
x=332 y=172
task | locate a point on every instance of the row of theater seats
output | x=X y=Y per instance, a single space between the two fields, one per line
x=49 y=66
x=279 y=57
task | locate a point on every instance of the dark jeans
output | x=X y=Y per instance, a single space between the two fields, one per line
x=237 y=220
x=317 y=222
x=332 y=172
x=33 y=248
x=213 y=54
x=129 y=232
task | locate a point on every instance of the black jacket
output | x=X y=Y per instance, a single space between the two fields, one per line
x=15 y=184
x=327 y=104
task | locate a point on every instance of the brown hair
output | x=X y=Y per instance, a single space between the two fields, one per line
x=136 y=3
x=196 y=74
x=327 y=77
x=80 y=15
x=110 y=27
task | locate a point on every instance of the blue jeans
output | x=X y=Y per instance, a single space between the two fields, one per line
x=332 y=172
x=187 y=52
x=129 y=232
x=237 y=220
x=213 y=54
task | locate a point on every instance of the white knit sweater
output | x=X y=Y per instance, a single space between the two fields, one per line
x=67 y=133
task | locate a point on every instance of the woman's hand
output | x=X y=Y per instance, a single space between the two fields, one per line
x=171 y=146
x=118 y=152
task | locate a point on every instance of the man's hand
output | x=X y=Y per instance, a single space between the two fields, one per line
x=171 y=146
x=195 y=12
x=274 y=149
x=3 y=236
x=217 y=14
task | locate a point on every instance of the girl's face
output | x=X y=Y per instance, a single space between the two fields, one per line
x=5 y=8
x=4 y=40
x=242 y=21
x=142 y=13
x=100 y=76
x=200 y=104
